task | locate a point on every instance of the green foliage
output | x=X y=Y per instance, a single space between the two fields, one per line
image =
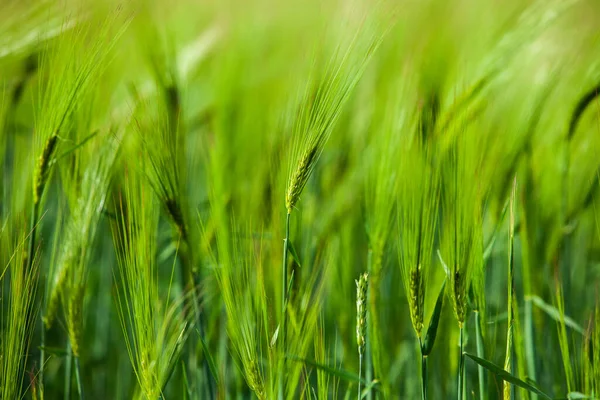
x=146 y=148
x=153 y=326
x=18 y=309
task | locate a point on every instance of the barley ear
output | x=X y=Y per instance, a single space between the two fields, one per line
x=459 y=297
x=361 y=312
x=59 y=281
x=417 y=299
x=255 y=380
x=42 y=170
x=75 y=317
x=176 y=214
x=51 y=308
x=300 y=176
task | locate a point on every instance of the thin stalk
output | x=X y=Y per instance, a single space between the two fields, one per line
x=360 y=357
x=67 y=389
x=424 y=377
x=526 y=262
x=368 y=350
x=423 y=372
x=362 y=288
x=78 y=378
x=284 y=296
x=368 y=366
x=529 y=346
x=508 y=364
x=480 y=354
x=564 y=249
x=461 y=365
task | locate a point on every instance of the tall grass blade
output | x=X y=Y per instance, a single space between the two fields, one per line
x=508 y=361
x=505 y=376
x=555 y=314
x=433 y=323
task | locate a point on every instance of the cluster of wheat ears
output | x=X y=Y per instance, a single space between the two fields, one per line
x=432 y=168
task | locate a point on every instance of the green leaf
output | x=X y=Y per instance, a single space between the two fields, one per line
x=505 y=376
x=185 y=382
x=340 y=373
x=370 y=386
x=293 y=253
x=433 y=323
x=555 y=314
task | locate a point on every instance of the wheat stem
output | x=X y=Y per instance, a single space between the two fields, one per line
x=78 y=378
x=529 y=343
x=480 y=354
x=461 y=365
x=40 y=177
x=361 y=320
x=68 y=372
x=424 y=377
x=284 y=297
x=360 y=357
x=373 y=305
x=423 y=371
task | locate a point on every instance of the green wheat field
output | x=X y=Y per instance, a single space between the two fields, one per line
x=304 y=199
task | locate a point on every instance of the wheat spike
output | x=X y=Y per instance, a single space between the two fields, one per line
x=75 y=317
x=43 y=168
x=416 y=299
x=300 y=177
x=361 y=312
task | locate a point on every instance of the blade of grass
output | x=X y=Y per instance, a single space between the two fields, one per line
x=427 y=345
x=508 y=361
x=554 y=313
x=337 y=372
x=505 y=376
x=434 y=323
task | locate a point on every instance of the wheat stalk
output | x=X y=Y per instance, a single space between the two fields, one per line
x=361 y=321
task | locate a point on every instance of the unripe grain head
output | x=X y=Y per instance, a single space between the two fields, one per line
x=300 y=176
x=416 y=299
x=75 y=317
x=42 y=170
x=361 y=312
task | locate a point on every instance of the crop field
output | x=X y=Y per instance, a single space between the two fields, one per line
x=305 y=199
